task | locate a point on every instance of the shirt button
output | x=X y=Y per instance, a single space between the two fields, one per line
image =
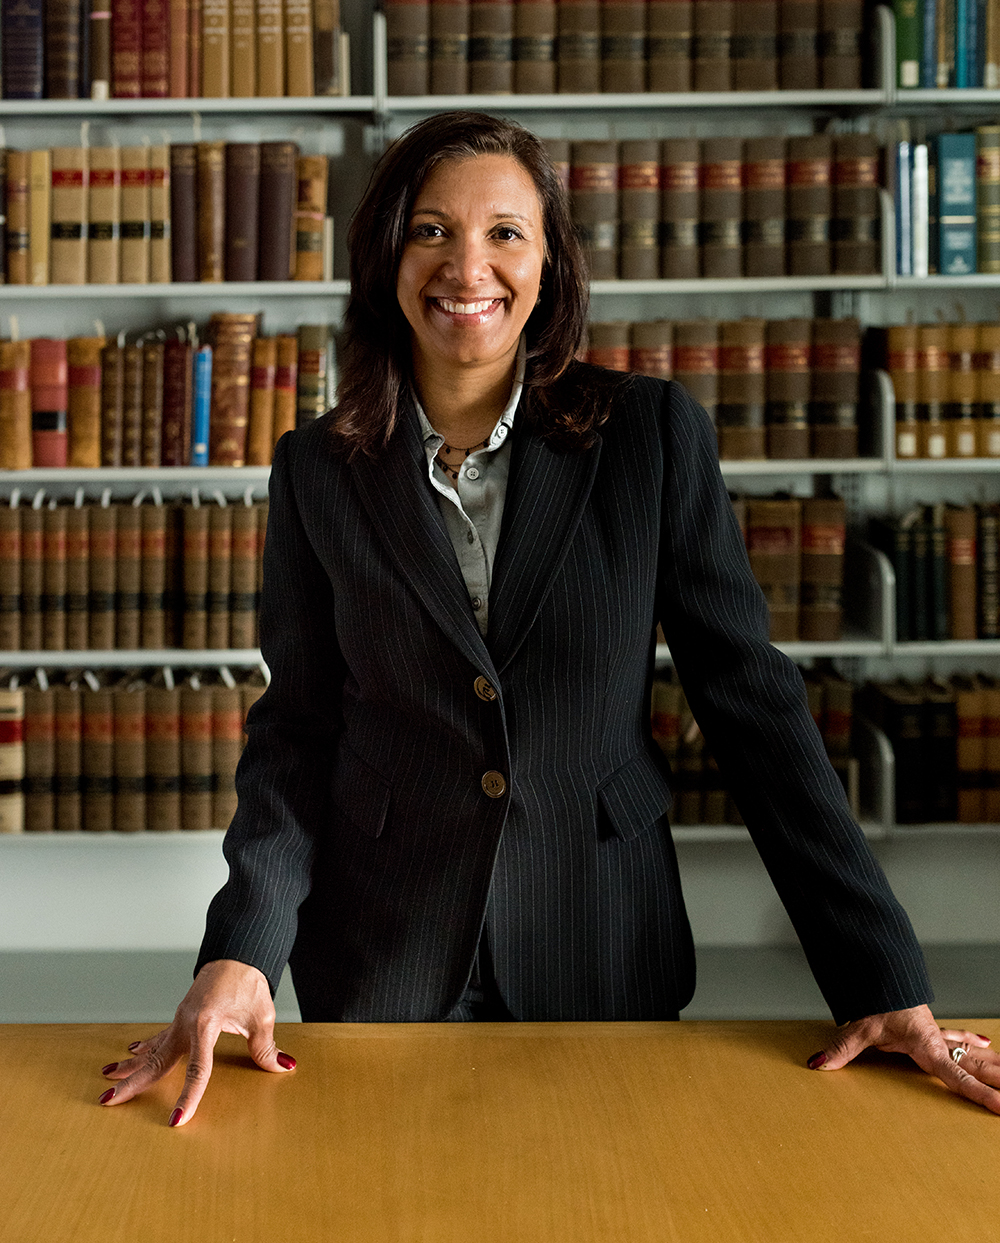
x=484 y=690
x=477 y=604
x=494 y=784
x=472 y=473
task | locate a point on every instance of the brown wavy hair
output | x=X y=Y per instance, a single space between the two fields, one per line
x=562 y=404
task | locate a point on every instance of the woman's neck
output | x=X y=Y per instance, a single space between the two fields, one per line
x=463 y=405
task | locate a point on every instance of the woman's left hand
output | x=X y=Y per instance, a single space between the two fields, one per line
x=976 y=1075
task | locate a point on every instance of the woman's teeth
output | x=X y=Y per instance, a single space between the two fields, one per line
x=464 y=308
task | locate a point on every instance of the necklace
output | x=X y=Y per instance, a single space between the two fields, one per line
x=452 y=471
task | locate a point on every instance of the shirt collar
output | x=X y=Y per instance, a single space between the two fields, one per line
x=430 y=437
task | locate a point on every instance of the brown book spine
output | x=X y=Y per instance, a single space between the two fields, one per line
x=764 y=207
x=15 y=405
x=987 y=572
x=609 y=345
x=77 y=577
x=408 y=37
x=177 y=383
x=215 y=49
x=153 y=576
x=310 y=215
x=152 y=403
x=970 y=747
x=68 y=250
x=558 y=151
x=126 y=49
x=211 y=199
x=696 y=361
x=163 y=759
x=11 y=761
x=535 y=33
x=286 y=386
x=129 y=723
x=961 y=412
x=789 y=382
x=711 y=51
x=135 y=224
x=773 y=545
x=754 y=47
x=721 y=206
x=824 y=526
x=195 y=621
x=243 y=61
x=100 y=49
x=594 y=204
x=49 y=399
x=932 y=390
x=10 y=577
x=104 y=219
x=809 y=205
x=112 y=395
x=679 y=207
x=668 y=45
x=180 y=22
x=40 y=207
x=196 y=756
x=68 y=714
x=833 y=412
x=97 y=753
x=103 y=575
x=128 y=578
x=220 y=574
x=242 y=185
x=155 y=49
x=742 y=389
x=32 y=574
x=448 y=62
x=243 y=585
x=312 y=400
x=18 y=217
x=491 y=47
x=183 y=212
x=227 y=738
x=194 y=49
x=639 y=209
x=988 y=390
x=159 y=214
x=840 y=26
x=330 y=74
x=230 y=401
x=298 y=48
x=39 y=760
x=132 y=405
x=623 y=46
x=960 y=524
x=260 y=433
x=62 y=49
x=652 y=349
x=579 y=47
x=798 y=23
x=271 y=49
x=54 y=577
x=856 y=228
x=901 y=363
x=278 y=196
x=991 y=730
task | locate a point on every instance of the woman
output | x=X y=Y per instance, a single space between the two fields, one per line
x=450 y=803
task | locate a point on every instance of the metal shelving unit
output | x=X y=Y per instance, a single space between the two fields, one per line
x=182 y=289
x=131 y=658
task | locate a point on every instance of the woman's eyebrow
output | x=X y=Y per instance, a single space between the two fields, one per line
x=498 y=215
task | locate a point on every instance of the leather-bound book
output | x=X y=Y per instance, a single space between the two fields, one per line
x=623 y=45
x=153 y=577
x=774 y=532
x=104 y=216
x=963 y=390
x=713 y=31
x=129 y=723
x=824 y=521
x=77 y=576
x=211 y=199
x=491 y=47
x=810 y=202
x=97 y=754
x=128 y=578
x=578 y=47
x=312 y=400
x=177 y=379
x=220 y=574
x=988 y=199
x=856 y=227
x=987 y=571
x=669 y=25
x=135 y=224
x=991 y=728
x=408 y=38
x=126 y=49
x=99 y=58
x=155 y=64
x=696 y=360
x=232 y=344
x=278 y=197
x=536 y=24
x=243 y=583
x=196 y=756
x=449 y=47
x=163 y=757
x=67 y=713
x=558 y=151
x=988 y=390
x=310 y=214
x=639 y=209
x=833 y=410
x=789 y=383
x=10 y=577
x=798 y=51
x=159 y=214
x=112 y=395
x=721 y=207
x=132 y=405
x=194 y=49
x=260 y=431
x=227 y=744
x=23 y=50
x=270 y=49
x=754 y=47
x=49 y=400
x=103 y=575
x=764 y=207
x=179 y=52
x=243 y=59
x=215 y=49
x=299 y=48
x=62 y=49
x=39 y=760
x=960 y=527
x=286 y=386
x=742 y=389
x=242 y=184
x=40 y=209
x=970 y=747
x=652 y=349
x=840 y=25
x=32 y=577
x=328 y=75
x=15 y=405
x=594 y=204
x=18 y=217
x=195 y=622
x=609 y=345
x=68 y=248
x=901 y=363
x=932 y=390
x=152 y=403
x=836 y=726
x=183 y=212
x=11 y=761
x=54 y=577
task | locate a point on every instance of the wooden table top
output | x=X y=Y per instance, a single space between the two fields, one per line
x=705 y=1132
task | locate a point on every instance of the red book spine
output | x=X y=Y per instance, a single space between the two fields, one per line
x=126 y=49
x=155 y=49
x=49 y=402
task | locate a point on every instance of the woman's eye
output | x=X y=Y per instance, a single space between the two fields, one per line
x=507 y=233
x=427 y=230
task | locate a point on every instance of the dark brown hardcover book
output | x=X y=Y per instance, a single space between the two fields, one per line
x=276 y=221
x=623 y=45
x=177 y=395
x=669 y=24
x=579 y=47
x=764 y=207
x=310 y=216
x=991 y=728
x=754 y=48
x=195 y=616
x=824 y=524
x=32 y=576
x=773 y=545
x=713 y=32
x=232 y=338
x=39 y=760
x=183 y=212
x=970 y=747
x=558 y=151
x=260 y=432
x=594 y=204
x=491 y=47
x=449 y=53
x=742 y=389
x=901 y=350
x=962 y=410
x=103 y=575
x=100 y=49
x=932 y=390
x=721 y=207
x=163 y=758
x=155 y=49
x=960 y=525
x=62 y=49
x=535 y=31
x=227 y=743
x=211 y=210
x=112 y=396
x=10 y=577
x=97 y=755
x=856 y=226
x=128 y=586
x=312 y=401
x=126 y=49
x=833 y=410
x=810 y=202
x=54 y=577
x=129 y=710
x=652 y=349
x=988 y=571
x=153 y=577
x=195 y=49
x=220 y=574
x=639 y=209
x=679 y=207
x=68 y=721
x=180 y=28
x=840 y=25
x=132 y=405
x=242 y=180
x=243 y=586
x=151 y=439
x=696 y=360
x=196 y=756
x=798 y=51
x=18 y=217
x=789 y=383
x=608 y=345
x=988 y=390
x=83 y=415
x=408 y=37
x=77 y=576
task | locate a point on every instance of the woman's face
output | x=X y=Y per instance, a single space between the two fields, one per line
x=472 y=263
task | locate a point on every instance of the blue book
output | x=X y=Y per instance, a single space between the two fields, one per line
x=928 y=44
x=956 y=200
x=201 y=406
x=22 y=33
x=904 y=210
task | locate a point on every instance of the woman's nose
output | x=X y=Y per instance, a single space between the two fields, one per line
x=467 y=260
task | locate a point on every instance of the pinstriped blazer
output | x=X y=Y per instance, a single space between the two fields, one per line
x=366 y=848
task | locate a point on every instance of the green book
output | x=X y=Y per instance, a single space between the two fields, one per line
x=908 y=42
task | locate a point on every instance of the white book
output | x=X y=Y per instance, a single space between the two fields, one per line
x=919 y=208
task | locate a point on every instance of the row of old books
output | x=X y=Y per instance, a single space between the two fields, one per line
x=78 y=576
x=946 y=190
x=207 y=211
x=780 y=388
x=947 y=43
x=945 y=558
x=680 y=208
x=172 y=49
x=699 y=794
x=457 y=47
x=946 y=380
x=133 y=752
x=946 y=738
x=162 y=399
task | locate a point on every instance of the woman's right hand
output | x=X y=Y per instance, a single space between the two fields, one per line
x=226 y=996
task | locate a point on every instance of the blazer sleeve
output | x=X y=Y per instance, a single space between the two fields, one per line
x=284 y=773
x=750 y=702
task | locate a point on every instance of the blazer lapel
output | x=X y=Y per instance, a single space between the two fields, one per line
x=546 y=494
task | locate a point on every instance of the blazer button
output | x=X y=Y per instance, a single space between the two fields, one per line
x=494 y=784
x=484 y=690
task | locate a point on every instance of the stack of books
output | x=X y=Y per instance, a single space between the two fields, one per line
x=785 y=388
x=947 y=43
x=173 y=49
x=161 y=399
x=207 y=211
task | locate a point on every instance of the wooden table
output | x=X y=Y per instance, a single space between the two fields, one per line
x=496 y=1133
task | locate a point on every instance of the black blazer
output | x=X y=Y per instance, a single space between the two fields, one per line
x=373 y=839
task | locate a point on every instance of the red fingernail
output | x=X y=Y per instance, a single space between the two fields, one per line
x=286 y=1060
x=986 y=1038
x=106 y=1096
x=134 y=1045
x=175 y=1117
x=106 y=1070
x=816 y=1061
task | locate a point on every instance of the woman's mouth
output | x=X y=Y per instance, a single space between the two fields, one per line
x=479 y=310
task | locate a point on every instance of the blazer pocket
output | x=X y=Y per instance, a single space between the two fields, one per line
x=361 y=793
x=635 y=797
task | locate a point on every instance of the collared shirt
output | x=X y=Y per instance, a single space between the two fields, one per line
x=472 y=507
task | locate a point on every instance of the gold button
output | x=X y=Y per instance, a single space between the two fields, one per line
x=494 y=784
x=484 y=690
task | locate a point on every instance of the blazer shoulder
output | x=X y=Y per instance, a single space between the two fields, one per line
x=309 y=441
